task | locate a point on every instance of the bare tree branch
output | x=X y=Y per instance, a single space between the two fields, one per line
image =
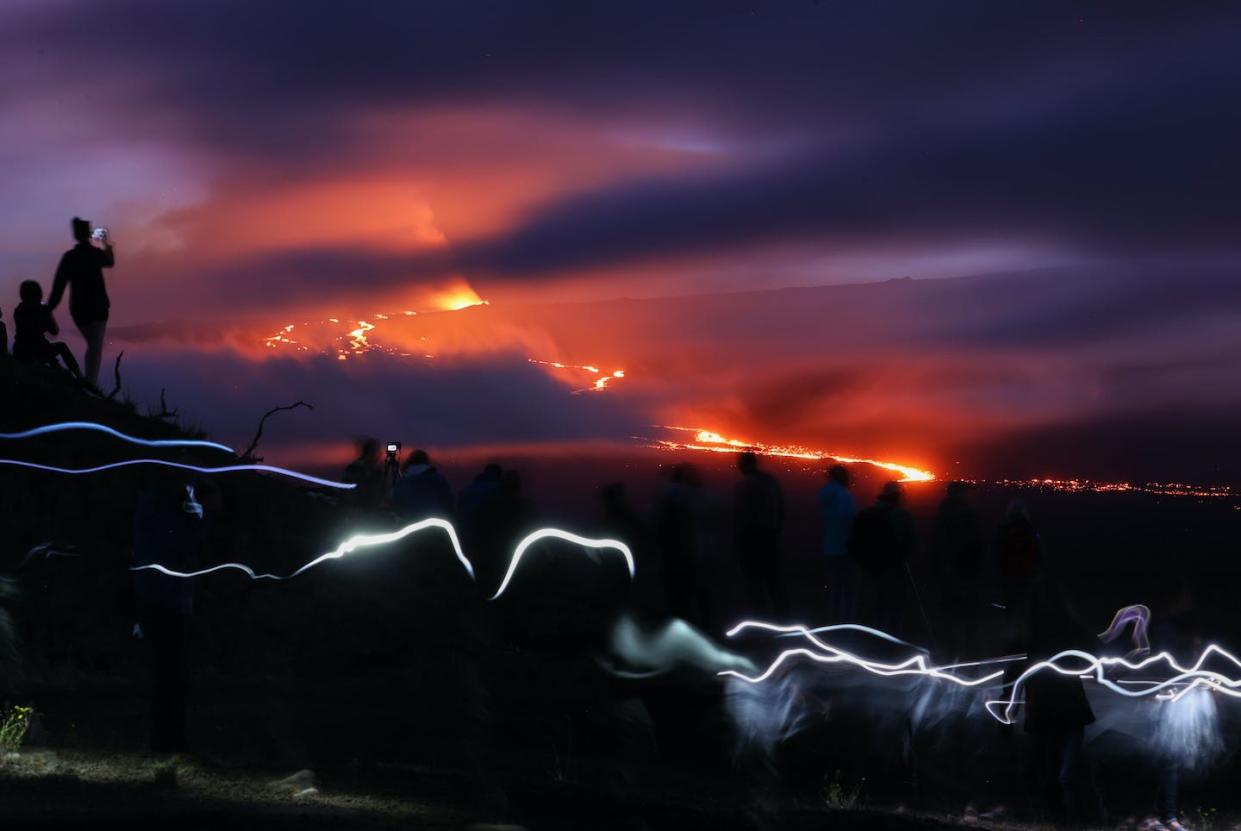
x=164 y=412
x=116 y=372
x=249 y=456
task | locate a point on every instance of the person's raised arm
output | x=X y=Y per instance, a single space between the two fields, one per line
x=58 y=283
x=50 y=325
x=107 y=256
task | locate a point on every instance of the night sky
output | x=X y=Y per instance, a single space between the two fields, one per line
x=640 y=186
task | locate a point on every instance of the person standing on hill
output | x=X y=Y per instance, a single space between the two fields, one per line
x=957 y=549
x=836 y=512
x=81 y=271
x=881 y=542
x=1019 y=556
x=367 y=472
x=422 y=491
x=758 y=520
x=169 y=530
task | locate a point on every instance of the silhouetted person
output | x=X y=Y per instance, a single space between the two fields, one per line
x=836 y=513
x=422 y=491
x=169 y=530
x=367 y=472
x=503 y=520
x=1056 y=709
x=81 y=270
x=4 y=336
x=758 y=520
x=881 y=543
x=957 y=549
x=472 y=500
x=34 y=322
x=1176 y=628
x=679 y=517
x=1018 y=555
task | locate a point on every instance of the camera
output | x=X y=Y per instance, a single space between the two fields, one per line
x=99 y=234
x=394 y=450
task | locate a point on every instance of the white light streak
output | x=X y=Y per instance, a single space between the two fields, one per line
x=81 y=471
x=915 y=665
x=371 y=540
x=1075 y=663
x=556 y=533
x=103 y=428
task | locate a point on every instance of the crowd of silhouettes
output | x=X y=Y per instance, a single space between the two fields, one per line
x=994 y=595
x=80 y=272
x=864 y=558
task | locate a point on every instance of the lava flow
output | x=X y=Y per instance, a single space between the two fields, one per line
x=598 y=385
x=715 y=443
x=365 y=337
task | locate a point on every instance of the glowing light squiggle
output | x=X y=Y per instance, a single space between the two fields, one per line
x=1184 y=679
x=556 y=533
x=915 y=665
x=347 y=547
x=370 y=540
x=103 y=428
x=281 y=471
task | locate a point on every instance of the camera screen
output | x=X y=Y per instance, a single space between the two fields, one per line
x=393 y=447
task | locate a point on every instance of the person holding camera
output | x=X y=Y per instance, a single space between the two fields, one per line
x=81 y=270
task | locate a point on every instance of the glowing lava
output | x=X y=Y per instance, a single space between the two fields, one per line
x=706 y=440
x=597 y=385
x=358 y=341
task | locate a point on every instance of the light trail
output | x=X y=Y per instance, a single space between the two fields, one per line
x=556 y=533
x=1092 y=667
x=257 y=468
x=371 y=540
x=345 y=548
x=915 y=665
x=818 y=630
x=706 y=440
x=66 y=426
x=1140 y=617
x=1172 y=689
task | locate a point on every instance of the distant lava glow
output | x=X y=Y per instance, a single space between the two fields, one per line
x=1092 y=486
x=599 y=384
x=706 y=440
x=352 y=338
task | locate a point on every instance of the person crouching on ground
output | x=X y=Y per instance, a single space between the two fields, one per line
x=34 y=322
